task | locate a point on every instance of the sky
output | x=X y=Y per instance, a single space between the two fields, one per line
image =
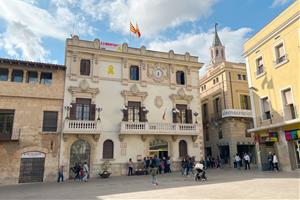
x=36 y=30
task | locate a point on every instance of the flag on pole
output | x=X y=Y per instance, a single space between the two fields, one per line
x=132 y=28
x=138 y=31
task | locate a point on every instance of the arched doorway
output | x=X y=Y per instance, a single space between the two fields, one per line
x=183 y=149
x=79 y=153
x=158 y=147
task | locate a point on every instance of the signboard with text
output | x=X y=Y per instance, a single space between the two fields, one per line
x=236 y=113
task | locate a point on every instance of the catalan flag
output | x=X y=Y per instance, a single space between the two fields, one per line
x=132 y=28
x=138 y=31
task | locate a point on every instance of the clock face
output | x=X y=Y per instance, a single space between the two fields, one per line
x=158 y=73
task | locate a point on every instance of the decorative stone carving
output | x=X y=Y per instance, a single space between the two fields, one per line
x=125 y=47
x=158 y=101
x=84 y=85
x=134 y=92
x=83 y=88
x=181 y=95
x=143 y=50
x=187 y=56
x=134 y=89
x=171 y=54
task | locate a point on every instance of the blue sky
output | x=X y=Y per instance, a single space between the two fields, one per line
x=36 y=29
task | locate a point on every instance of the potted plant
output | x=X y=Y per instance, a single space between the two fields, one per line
x=105 y=169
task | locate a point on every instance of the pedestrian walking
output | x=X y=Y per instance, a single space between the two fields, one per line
x=270 y=160
x=237 y=160
x=275 y=162
x=247 y=161
x=85 y=172
x=60 y=174
x=153 y=170
x=130 y=167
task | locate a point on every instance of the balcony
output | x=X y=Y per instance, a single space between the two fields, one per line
x=13 y=136
x=144 y=128
x=82 y=127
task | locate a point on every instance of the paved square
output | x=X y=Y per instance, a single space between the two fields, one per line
x=221 y=184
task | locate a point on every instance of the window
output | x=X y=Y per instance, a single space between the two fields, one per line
x=84 y=110
x=50 y=121
x=244 y=77
x=108 y=149
x=217 y=52
x=280 y=55
x=3 y=74
x=182 y=114
x=134 y=73
x=32 y=77
x=180 y=78
x=216 y=80
x=288 y=105
x=245 y=102
x=249 y=125
x=217 y=106
x=203 y=87
x=133 y=111
x=182 y=148
x=6 y=123
x=265 y=107
x=220 y=134
x=239 y=77
x=46 y=78
x=17 y=76
x=259 y=66
x=204 y=112
x=85 y=67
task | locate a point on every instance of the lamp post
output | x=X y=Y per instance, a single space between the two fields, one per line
x=98 y=112
x=68 y=108
x=196 y=114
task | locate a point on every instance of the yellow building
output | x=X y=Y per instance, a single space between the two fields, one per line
x=272 y=59
x=226 y=107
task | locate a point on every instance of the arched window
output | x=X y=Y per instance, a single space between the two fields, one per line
x=134 y=73
x=180 y=78
x=108 y=149
x=217 y=52
x=182 y=148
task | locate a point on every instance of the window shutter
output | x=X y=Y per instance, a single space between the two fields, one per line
x=266 y=105
x=175 y=117
x=242 y=99
x=125 y=115
x=73 y=111
x=280 y=51
x=108 y=149
x=288 y=97
x=182 y=148
x=189 y=116
x=92 y=111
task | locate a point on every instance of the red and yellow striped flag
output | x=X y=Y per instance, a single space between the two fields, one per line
x=132 y=29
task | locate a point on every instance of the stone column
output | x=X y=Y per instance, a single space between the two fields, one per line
x=258 y=156
x=232 y=152
x=283 y=152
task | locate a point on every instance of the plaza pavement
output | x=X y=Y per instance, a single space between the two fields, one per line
x=221 y=184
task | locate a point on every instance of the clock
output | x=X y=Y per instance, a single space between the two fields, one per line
x=158 y=73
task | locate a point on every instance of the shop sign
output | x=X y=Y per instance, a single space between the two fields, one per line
x=236 y=113
x=292 y=135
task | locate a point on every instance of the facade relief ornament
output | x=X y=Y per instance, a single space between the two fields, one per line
x=181 y=95
x=134 y=92
x=158 y=101
x=83 y=88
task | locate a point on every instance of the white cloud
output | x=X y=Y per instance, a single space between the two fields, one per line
x=198 y=44
x=24 y=18
x=152 y=16
x=279 y=3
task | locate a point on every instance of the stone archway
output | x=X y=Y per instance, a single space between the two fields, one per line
x=80 y=152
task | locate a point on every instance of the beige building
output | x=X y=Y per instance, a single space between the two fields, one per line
x=129 y=103
x=272 y=58
x=31 y=101
x=226 y=108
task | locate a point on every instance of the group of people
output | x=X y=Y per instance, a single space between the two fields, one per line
x=273 y=162
x=212 y=162
x=187 y=165
x=239 y=162
x=163 y=165
x=81 y=171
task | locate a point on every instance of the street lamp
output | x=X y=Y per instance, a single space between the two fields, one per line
x=98 y=111
x=196 y=114
x=68 y=108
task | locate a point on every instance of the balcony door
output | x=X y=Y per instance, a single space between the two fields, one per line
x=83 y=109
x=6 y=124
x=133 y=111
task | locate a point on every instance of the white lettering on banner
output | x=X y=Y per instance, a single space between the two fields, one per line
x=33 y=154
x=236 y=113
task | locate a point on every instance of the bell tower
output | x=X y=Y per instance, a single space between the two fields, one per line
x=217 y=50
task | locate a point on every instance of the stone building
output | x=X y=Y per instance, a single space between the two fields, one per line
x=226 y=108
x=31 y=102
x=272 y=58
x=129 y=103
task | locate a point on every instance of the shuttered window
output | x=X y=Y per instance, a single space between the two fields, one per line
x=265 y=108
x=3 y=74
x=85 y=66
x=259 y=66
x=50 y=121
x=134 y=111
x=288 y=97
x=46 y=78
x=182 y=148
x=108 y=149
x=134 y=73
x=245 y=102
x=280 y=55
x=180 y=78
x=17 y=76
x=32 y=77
